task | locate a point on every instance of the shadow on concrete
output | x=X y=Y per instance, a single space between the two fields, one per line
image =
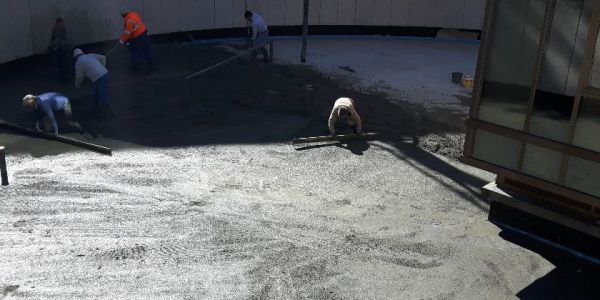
x=440 y=171
x=571 y=279
x=358 y=147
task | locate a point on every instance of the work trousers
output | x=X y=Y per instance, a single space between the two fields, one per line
x=68 y=110
x=261 y=39
x=101 y=91
x=59 y=58
x=139 y=47
x=345 y=128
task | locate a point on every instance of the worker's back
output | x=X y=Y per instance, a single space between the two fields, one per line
x=91 y=66
x=345 y=104
x=54 y=101
x=259 y=23
x=134 y=26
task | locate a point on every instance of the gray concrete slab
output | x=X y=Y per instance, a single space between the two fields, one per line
x=204 y=196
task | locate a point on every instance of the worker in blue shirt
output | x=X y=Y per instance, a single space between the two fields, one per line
x=45 y=105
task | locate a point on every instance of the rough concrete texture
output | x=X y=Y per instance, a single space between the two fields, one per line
x=204 y=196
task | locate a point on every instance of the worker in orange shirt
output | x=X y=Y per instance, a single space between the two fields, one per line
x=136 y=37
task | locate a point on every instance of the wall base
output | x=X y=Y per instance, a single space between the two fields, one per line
x=514 y=212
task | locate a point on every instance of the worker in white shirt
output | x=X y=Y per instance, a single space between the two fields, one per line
x=260 y=33
x=93 y=66
x=345 y=110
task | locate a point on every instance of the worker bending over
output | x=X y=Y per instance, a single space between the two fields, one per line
x=135 y=35
x=45 y=106
x=260 y=34
x=344 y=110
x=93 y=66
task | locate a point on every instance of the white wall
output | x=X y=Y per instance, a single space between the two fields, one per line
x=25 y=25
x=15 y=30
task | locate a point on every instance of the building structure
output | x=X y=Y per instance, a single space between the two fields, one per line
x=535 y=115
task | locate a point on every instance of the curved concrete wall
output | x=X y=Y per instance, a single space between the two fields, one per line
x=25 y=24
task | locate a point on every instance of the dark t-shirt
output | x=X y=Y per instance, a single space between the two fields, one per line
x=58 y=37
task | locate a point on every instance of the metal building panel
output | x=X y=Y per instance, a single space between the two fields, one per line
x=418 y=14
x=114 y=21
x=382 y=12
x=276 y=14
x=224 y=14
x=473 y=14
x=328 y=12
x=561 y=44
x=346 y=12
x=579 y=49
x=261 y=7
x=364 y=12
x=238 y=7
x=496 y=149
x=293 y=12
x=170 y=10
x=399 y=12
x=314 y=11
x=191 y=18
x=582 y=175
x=446 y=13
x=16 y=44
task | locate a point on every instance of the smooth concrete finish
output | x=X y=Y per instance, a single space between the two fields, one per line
x=26 y=24
x=413 y=70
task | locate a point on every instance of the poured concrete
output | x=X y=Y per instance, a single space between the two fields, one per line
x=204 y=196
x=412 y=70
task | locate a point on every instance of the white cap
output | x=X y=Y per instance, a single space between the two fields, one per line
x=77 y=52
x=28 y=99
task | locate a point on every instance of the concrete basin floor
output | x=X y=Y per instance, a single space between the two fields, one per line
x=204 y=197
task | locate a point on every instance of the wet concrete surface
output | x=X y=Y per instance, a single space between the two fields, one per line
x=204 y=197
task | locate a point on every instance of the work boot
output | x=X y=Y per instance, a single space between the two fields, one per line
x=105 y=110
x=76 y=125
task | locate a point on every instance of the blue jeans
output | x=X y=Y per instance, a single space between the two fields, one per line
x=140 y=47
x=261 y=39
x=101 y=91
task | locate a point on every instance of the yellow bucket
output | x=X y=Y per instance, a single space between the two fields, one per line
x=467 y=81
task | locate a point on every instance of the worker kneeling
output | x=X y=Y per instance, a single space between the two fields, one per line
x=345 y=110
x=45 y=106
